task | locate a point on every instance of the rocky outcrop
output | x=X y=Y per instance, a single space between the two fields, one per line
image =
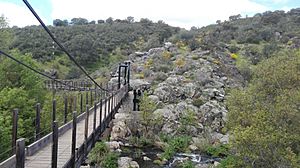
x=127 y=162
x=188 y=91
x=192 y=84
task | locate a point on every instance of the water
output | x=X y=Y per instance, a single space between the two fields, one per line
x=139 y=153
x=197 y=159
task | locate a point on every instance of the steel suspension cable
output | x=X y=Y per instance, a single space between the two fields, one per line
x=34 y=70
x=60 y=45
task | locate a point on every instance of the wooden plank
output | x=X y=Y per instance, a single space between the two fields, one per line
x=42 y=158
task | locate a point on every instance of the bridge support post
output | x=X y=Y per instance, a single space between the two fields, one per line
x=86 y=96
x=81 y=103
x=20 y=153
x=96 y=93
x=73 y=163
x=134 y=100
x=86 y=129
x=100 y=123
x=91 y=95
x=128 y=75
x=55 y=144
x=14 y=130
x=125 y=73
x=119 y=77
x=38 y=122
x=112 y=105
x=108 y=110
x=53 y=110
x=66 y=109
x=75 y=103
x=94 y=124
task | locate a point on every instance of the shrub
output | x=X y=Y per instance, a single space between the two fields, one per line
x=140 y=76
x=229 y=162
x=166 y=55
x=148 y=63
x=175 y=144
x=244 y=66
x=163 y=68
x=264 y=122
x=218 y=151
x=233 y=56
x=160 y=76
x=186 y=120
x=149 y=122
x=198 y=102
x=180 y=62
x=98 y=153
x=110 y=161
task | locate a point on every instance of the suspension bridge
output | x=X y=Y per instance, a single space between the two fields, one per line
x=67 y=145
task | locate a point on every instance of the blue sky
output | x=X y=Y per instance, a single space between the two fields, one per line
x=279 y=4
x=174 y=12
x=43 y=6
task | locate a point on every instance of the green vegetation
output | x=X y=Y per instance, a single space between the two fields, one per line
x=187 y=119
x=187 y=164
x=100 y=155
x=150 y=122
x=110 y=161
x=20 y=88
x=264 y=117
x=175 y=144
x=218 y=150
x=92 y=43
x=198 y=102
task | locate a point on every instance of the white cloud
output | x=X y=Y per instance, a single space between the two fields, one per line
x=17 y=15
x=174 y=12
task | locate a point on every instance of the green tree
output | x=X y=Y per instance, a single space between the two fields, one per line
x=3 y=22
x=79 y=21
x=20 y=88
x=130 y=19
x=5 y=34
x=58 y=22
x=14 y=75
x=264 y=117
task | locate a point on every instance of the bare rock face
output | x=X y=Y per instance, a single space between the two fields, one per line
x=139 y=83
x=126 y=162
x=120 y=129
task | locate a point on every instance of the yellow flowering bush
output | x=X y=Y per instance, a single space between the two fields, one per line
x=148 y=63
x=234 y=56
x=166 y=55
x=180 y=62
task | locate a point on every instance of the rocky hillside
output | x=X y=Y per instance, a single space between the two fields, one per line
x=184 y=96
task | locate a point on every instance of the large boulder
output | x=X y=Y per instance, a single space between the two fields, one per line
x=156 y=51
x=213 y=115
x=127 y=162
x=120 y=129
x=189 y=90
x=166 y=113
x=139 y=83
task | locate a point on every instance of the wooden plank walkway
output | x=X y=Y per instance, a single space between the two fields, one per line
x=42 y=158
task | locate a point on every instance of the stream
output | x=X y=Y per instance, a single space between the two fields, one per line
x=138 y=155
